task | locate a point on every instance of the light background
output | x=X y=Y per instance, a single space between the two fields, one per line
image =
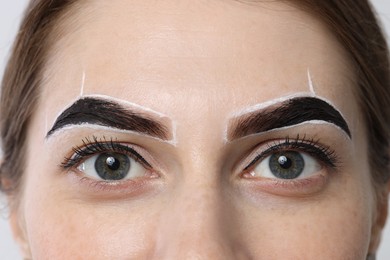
x=10 y=15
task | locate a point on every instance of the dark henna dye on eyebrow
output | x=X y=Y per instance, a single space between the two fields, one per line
x=288 y=113
x=107 y=113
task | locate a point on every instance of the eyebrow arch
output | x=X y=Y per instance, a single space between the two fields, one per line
x=96 y=111
x=289 y=113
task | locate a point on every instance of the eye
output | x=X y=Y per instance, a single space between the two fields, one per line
x=112 y=166
x=286 y=165
x=100 y=159
x=291 y=159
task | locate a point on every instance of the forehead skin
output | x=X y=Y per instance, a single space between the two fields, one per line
x=222 y=47
x=197 y=62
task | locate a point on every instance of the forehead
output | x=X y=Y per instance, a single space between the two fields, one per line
x=229 y=49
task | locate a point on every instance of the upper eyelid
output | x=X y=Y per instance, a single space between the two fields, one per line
x=101 y=147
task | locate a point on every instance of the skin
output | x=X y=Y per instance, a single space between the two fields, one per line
x=198 y=63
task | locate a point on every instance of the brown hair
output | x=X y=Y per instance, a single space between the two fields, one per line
x=21 y=83
x=353 y=22
x=357 y=29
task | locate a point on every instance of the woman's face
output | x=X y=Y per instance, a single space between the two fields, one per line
x=196 y=130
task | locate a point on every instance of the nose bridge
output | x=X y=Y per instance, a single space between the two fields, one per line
x=194 y=225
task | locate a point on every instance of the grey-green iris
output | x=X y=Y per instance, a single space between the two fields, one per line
x=286 y=165
x=112 y=166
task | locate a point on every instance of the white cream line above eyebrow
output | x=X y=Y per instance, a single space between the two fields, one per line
x=82 y=84
x=281 y=99
x=310 y=81
x=129 y=104
x=269 y=103
x=122 y=102
x=114 y=109
x=284 y=112
x=260 y=106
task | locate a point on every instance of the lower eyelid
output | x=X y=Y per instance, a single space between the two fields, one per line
x=294 y=188
x=102 y=190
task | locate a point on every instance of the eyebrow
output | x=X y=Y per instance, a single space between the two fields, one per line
x=101 y=112
x=288 y=113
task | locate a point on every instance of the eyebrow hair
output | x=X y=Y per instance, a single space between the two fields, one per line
x=101 y=112
x=290 y=112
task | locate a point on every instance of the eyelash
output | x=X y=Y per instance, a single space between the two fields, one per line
x=312 y=147
x=95 y=146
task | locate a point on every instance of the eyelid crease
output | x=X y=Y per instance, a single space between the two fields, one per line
x=108 y=129
x=303 y=124
x=96 y=146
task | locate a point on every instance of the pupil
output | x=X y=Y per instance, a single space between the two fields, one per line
x=112 y=163
x=284 y=162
